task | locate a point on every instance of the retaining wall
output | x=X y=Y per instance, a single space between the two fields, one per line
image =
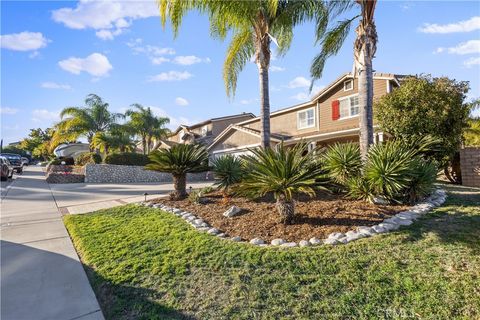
x=470 y=166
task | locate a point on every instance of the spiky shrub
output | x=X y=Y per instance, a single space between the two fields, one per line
x=228 y=171
x=283 y=172
x=342 y=161
x=359 y=188
x=196 y=197
x=179 y=160
x=423 y=175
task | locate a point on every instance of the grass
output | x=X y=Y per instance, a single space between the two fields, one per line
x=148 y=264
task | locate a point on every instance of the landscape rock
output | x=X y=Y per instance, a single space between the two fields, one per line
x=379 y=229
x=221 y=235
x=389 y=226
x=336 y=235
x=213 y=231
x=315 y=241
x=366 y=231
x=304 y=243
x=277 y=242
x=198 y=221
x=331 y=241
x=289 y=244
x=236 y=239
x=380 y=201
x=257 y=241
x=233 y=211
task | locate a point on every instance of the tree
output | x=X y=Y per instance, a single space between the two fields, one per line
x=86 y=121
x=116 y=140
x=254 y=25
x=146 y=125
x=179 y=160
x=428 y=106
x=472 y=133
x=365 y=47
x=40 y=143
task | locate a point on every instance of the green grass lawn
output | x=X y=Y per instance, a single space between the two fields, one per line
x=147 y=264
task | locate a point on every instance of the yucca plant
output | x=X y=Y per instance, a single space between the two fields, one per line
x=283 y=172
x=422 y=178
x=359 y=188
x=179 y=160
x=228 y=171
x=342 y=161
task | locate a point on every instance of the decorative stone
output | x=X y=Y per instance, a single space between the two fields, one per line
x=315 y=241
x=233 y=211
x=336 y=235
x=191 y=218
x=236 y=239
x=343 y=240
x=304 y=243
x=366 y=231
x=205 y=229
x=289 y=244
x=331 y=241
x=380 y=201
x=379 y=229
x=277 y=242
x=204 y=224
x=257 y=241
x=221 y=235
x=213 y=231
x=198 y=221
x=176 y=210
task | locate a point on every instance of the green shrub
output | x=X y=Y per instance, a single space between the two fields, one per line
x=359 y=188
x=423 y=175
x=88 y=157
x=69 y=161
x=196 y=196
x=228 y=171
x=127 y=159
x=342 y=161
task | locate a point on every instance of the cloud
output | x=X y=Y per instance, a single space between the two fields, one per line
x=95 y=64
x=109 y=18
x=301 y=96
x=469 y=47
x=170 y=76
x=154 y=53
x=189 y=60
x=7 y=110
x=54 y=85
x=471 y=62
x=299 y=82
x=23 y=41
x=471 y=24
x=159 y=60
x=181 y=101
x=40 y=115
x=276 y=69
x=174 y=121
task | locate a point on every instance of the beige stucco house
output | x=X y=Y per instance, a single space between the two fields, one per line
x=330 y=116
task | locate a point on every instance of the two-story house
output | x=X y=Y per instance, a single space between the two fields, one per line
x=330 y=116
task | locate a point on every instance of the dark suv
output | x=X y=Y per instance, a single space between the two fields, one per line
x=15 y=160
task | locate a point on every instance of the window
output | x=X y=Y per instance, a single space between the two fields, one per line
x=348 y=85
x=349 y=107
x=306 y=118
x=204 y=131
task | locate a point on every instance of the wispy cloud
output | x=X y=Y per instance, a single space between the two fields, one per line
x=95 y=64
x=170 y=76
x=276 y=69
x=472 y=62
x=7 y=110
x=189 y=60
x=154 y=53
x=469 y=47
x=54 y=85
x=179 y=101
x=301 y=96
x=24 y=41
x=44 y=115
x=471 y=24
x=299 y=82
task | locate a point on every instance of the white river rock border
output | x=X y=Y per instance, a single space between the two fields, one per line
x=404 y=218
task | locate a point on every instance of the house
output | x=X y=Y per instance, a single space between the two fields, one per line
x=330 y=116
x=204 y=132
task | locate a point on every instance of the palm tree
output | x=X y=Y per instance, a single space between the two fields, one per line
x=283 y=172
x=149 y=127
x=86 y=121
x=179 y=160
x=365 y=47
x=113 y=141
x=254 y=25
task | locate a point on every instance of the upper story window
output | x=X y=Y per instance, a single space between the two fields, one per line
x=349 y=107
x=306 y=118
x=204 y=131
x=348 y=85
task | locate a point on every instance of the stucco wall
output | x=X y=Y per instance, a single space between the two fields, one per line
x=470 y=166
x=110 y=173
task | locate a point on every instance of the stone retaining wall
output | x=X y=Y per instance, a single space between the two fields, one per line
x=111 y=173
x=470 y=166
x=64 y=177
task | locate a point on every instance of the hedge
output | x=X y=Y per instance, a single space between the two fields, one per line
x=88 y=157
x=127 y=159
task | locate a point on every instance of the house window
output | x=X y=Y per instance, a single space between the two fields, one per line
x=306 y=118
x=204 y=131
x=349 y=107
x=348 y=85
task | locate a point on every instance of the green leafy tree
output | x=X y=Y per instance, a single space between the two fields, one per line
x=253 y=26
x=179 y=160
x=364 y=49
x=428 y=106
x=472 y=133
x=283 y=172
x=146 y=125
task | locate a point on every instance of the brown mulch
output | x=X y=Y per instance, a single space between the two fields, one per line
x=314 y=217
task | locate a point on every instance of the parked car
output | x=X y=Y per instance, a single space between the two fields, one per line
x=15 y=160
x=6 y=169
x=25 y=161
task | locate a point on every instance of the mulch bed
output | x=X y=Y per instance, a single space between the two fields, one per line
x=315 y=217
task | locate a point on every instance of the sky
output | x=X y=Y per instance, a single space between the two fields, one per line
x=55 y=53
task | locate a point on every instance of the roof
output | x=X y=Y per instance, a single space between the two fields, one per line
x=196 y=125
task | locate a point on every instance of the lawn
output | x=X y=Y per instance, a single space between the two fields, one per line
x=147 y=264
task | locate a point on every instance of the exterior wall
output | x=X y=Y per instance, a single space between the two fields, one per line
x=236 y=139
x=110 y=173
x=219 y=125
x=470 y=166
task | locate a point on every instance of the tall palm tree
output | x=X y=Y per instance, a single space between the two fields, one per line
x=365 y=47
x=254 y=25
x=146 y=125
x=114 y=140
x=86 y=121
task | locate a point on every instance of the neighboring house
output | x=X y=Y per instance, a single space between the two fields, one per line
x=330 y=116
x=204 y=132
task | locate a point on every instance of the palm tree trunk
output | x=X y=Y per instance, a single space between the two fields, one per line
x=144 y=145
x=263 y=63
x=286 y=209
x=180 y=186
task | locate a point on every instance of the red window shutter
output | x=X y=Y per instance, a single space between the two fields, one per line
x=335 y=110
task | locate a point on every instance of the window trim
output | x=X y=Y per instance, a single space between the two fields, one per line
x=350 y=116
x=344 y=83
x=314 y=118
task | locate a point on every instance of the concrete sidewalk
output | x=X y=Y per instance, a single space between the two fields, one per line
x=41 y=275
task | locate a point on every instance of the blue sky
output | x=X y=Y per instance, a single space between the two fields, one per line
x=54 y=53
